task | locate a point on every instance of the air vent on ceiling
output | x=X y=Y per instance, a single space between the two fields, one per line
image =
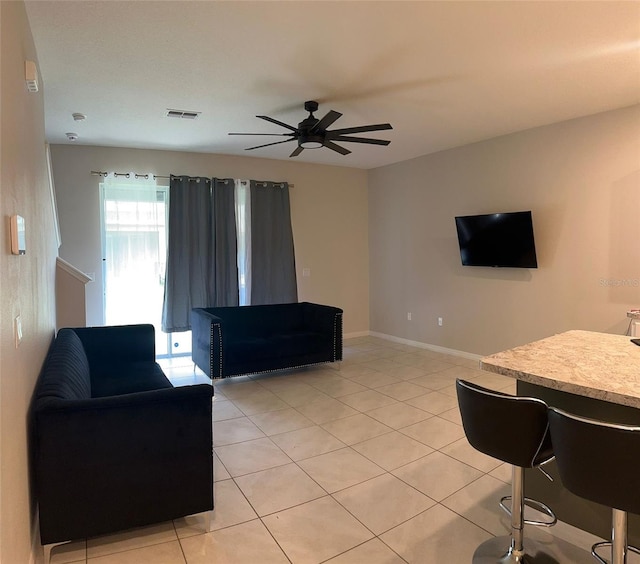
x=182 y=114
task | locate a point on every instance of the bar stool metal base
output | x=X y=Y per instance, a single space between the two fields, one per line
x=493 y=552
x=618 y=547
x=609 y=544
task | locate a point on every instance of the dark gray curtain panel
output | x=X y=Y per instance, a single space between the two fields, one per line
x=273 y=269
x=201 y=252
x=226 y=245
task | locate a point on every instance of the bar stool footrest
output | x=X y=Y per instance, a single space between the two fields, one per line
x=598 y=545
x=534 y=504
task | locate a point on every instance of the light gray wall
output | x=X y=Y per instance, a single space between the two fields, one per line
x=328 y=208
x=26 y=282
x=580 y=178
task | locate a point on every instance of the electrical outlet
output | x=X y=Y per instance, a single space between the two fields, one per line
x=409 y=316
x=439 y=321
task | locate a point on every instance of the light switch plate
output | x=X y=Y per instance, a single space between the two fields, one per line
x=18 y=239
x=17 y=330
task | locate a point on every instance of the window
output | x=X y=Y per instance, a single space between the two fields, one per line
x=134 y=243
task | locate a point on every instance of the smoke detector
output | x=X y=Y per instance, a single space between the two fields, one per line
x=72 y=136
x=77 y=116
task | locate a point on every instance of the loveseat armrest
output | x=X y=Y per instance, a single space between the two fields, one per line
x=118 y=462
x=118 y=343
x=206 y=342
x=327 y=319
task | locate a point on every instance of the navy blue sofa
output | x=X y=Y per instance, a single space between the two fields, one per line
x=114 y=444
x=230 y=341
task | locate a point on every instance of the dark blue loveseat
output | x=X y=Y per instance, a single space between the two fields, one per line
x=229 y=341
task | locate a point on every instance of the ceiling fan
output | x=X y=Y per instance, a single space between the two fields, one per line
x=312 y=133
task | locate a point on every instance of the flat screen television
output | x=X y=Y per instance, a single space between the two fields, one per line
x=497 y=239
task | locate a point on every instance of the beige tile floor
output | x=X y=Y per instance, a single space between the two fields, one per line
x=364 y=462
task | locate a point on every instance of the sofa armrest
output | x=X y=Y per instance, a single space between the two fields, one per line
x=118 y=462
x=327 y=319
x=118 y=343
x=206 y=342
x=318 y=315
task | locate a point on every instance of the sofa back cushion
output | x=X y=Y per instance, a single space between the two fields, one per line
x=260 y=320
x=65 y=374
x=118 y=344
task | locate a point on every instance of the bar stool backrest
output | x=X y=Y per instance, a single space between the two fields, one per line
x=598 y=461
x=510 y=428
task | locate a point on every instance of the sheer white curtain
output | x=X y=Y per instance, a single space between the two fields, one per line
x=243 y=230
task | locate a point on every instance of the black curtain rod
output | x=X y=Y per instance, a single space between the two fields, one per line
x=146 y=176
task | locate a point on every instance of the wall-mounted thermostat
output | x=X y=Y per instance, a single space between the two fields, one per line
x=18 y=237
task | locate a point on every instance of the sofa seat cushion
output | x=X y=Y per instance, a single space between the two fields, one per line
x=119 y=379
x=274 y=346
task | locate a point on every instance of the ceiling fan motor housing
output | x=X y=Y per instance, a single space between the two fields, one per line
x=307 y=138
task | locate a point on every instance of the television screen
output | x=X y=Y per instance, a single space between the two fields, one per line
x=497 y=239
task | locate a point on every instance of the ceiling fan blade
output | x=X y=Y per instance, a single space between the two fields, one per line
x=326 y=121
x=336 y=148
x=361 y=140
x=269 y=144
x=272 y=134
x=360 y=129
x=297 y=151
x=281 y=123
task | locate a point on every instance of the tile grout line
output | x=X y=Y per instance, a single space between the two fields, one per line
x=351 y=447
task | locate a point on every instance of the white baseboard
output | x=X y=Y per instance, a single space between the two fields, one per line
x=356 y=334
x=418 y=344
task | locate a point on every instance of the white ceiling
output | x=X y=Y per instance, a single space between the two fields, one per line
x=444 y=74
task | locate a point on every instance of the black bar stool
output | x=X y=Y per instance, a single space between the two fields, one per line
x=598 y=461
x=513 y=429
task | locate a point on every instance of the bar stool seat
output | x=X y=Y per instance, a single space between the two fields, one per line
x=515 y=430
x=598 y=461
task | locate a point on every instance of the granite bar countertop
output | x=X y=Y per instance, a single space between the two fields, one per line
x=596 y=365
